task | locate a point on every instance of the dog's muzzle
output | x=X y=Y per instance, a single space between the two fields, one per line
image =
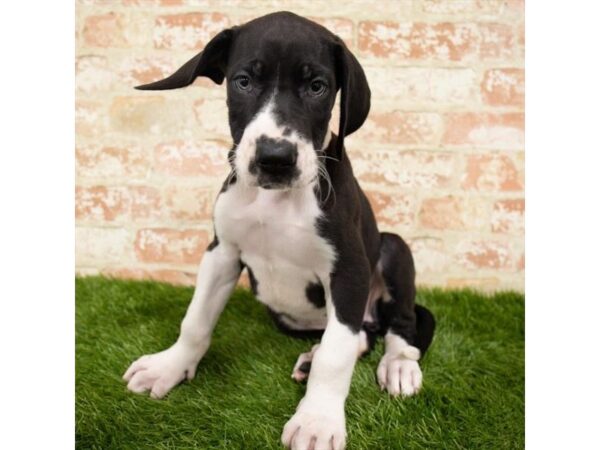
x=275 y=162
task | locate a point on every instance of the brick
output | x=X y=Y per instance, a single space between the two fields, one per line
x=86 y=272
x=190 y=203
x=400 y=127
x=521 y=263
x=99 y=2
x=142 y=70
x=408 y=169
x=163 y=245
x=392 y=210
x=445 y=41
x=521 y=40
x=150 y=114
x=186 y=158
x=498 y=41
x=147 y=3
x=433 y=87
x=454 y=213
x=343 y=28
x=105 y=30
x=430 y=254
x=136 y=114
x=187 y=31
x=476 y=254
x=493 y=172
x=211 y=115
x=485 y=283
x=418 y=41
x=482 y=130
x=94 y=161
x=177 y=277
x=99 y=246
x=93 y=74
x=508 y=216
x=504 y=87
x=90 y=118
x=447 y=6
x=101 y=203
x=145 y=202
x=472 y=8
x=116 y=203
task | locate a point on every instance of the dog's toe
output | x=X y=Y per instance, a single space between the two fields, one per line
x=399 y=376
x=314 y=431
x=160 y=372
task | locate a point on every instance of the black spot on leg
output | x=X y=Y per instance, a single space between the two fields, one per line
x=316 y=294
x=372 y=331
x=229 y=181
x=253 y=280
x=305 y=367
x=287 y=131
x=214 y=243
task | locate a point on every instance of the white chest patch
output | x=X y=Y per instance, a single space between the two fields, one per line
x=276 y=234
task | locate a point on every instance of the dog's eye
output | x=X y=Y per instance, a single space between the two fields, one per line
x=242 y=82
x=316 y=88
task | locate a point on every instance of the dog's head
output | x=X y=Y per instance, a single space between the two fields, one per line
x=283 y=73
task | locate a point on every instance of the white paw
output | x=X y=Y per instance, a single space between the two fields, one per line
x=399 y=375
x=315 y=431
x=160 y=372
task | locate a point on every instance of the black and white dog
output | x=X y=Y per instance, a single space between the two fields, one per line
x=293 y=214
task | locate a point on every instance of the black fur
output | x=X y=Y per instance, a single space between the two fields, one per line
x=214 y=243
x=316 y=294
x=251 y=277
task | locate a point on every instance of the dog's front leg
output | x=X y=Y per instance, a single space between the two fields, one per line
x=160 y=372
x=319 y=421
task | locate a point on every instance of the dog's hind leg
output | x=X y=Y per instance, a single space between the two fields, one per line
x=408 y=327
x=302 y=366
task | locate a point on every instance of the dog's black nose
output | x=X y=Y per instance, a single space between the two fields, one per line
x=274 y=155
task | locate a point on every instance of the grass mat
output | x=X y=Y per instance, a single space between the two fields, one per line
x=242 y=395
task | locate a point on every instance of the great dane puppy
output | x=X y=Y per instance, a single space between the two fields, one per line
x=293 y=214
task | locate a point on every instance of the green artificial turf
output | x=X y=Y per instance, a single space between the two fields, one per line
x=242 y=395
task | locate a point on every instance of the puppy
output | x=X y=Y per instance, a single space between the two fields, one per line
x=292 y=213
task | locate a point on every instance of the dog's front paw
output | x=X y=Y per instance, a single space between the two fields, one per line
x=398 y=375
x=160 y=372
x=315 y=431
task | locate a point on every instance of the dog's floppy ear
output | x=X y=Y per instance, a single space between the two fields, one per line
x=210 y=62
x=355 y=96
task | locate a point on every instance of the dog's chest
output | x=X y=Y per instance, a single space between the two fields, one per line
x=278 y=241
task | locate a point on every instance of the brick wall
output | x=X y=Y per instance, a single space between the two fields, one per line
x=441 y=156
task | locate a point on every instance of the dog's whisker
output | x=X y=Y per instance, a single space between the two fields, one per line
x=328 y=157
x=322 y=173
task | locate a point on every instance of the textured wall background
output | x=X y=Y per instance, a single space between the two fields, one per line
x=441 y=155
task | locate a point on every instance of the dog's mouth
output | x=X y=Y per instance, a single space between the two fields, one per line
x=274 y=181
x=274 y=178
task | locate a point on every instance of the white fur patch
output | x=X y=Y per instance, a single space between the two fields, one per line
x=275 y=232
